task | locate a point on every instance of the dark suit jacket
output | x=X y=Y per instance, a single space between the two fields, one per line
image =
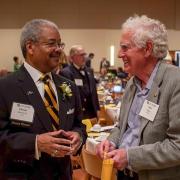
x=72 y=73
x=17 y=142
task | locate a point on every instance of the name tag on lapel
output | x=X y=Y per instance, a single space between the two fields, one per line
x=149 y=110
x=78 y=82
x=70 y=111
x=22 y=113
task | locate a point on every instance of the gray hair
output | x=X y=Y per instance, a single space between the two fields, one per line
x=32 y=31
x=75 y=49
x=145 y=29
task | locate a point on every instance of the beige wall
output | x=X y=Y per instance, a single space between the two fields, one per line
x=92 y=23
x=96 y=40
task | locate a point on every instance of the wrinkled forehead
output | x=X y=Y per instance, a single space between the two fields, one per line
x=126 y=37
x=49 y=31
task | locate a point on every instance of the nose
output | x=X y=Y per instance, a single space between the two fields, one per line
x=120 y=53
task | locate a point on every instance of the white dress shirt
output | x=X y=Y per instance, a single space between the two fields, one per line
x=35 y=74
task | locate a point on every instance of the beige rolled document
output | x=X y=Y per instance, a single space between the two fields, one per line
x=107 y=169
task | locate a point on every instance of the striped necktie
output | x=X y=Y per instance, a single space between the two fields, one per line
x=50 y=101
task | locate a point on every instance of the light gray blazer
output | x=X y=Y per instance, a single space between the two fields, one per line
x=158 y=155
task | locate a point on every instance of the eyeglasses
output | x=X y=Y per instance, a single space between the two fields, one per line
x=51 y=44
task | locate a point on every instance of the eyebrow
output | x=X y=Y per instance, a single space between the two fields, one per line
x=123 y=45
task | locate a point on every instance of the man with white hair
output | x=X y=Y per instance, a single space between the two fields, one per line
x=146 y=143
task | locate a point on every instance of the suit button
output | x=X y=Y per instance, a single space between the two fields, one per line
x=85 y=99
x=83 y=109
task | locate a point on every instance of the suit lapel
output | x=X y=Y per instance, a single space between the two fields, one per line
x=154 y=92
x=89 y=78
x=30 y=90
x=153 y=97
x=128 y=98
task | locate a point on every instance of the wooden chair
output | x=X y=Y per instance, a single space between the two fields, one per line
x=104 y=119
x=93 y=165
x=77 y=164
x=88 y=124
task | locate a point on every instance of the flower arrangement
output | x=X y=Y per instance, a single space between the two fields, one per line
x=67 y=92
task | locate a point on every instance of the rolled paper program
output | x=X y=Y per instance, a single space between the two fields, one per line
x=107 y=168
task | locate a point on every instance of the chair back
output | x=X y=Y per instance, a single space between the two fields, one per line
x=88 y=124
x=92 y=163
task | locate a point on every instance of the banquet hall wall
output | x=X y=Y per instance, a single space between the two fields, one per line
x=93 y=23
x=96 y=40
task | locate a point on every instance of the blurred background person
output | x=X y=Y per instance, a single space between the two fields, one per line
x=63 y=60
x=121 y=73
x=17 y=63
x=104 y=66
x=89 y=59
x=84 y=79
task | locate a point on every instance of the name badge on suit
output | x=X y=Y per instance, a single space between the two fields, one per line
x=149 y=110
x=22 y=114
x=78 y=82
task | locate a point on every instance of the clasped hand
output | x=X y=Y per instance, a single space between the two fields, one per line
x=58 y=143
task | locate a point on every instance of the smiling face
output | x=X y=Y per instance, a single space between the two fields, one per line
x=133 y=57
x=44 y=54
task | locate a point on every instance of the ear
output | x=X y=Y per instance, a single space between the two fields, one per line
x=149 y=48
x=30 y=48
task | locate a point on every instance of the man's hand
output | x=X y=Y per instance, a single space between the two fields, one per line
x=104 y=147
x=75 y=139
x=52 y=143
x=120 y=158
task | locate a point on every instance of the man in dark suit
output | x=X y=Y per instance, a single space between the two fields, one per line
x=31 y=146
x=84 y=79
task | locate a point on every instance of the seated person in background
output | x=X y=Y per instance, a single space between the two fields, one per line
x=84 y=79
x=121 y=73
x=104 y=66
